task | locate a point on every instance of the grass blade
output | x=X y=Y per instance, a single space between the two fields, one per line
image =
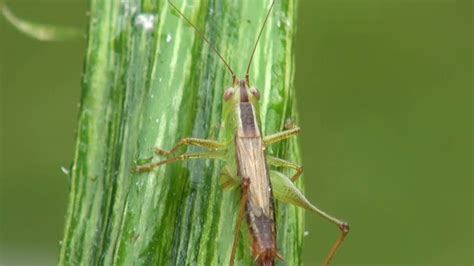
x=148 y=82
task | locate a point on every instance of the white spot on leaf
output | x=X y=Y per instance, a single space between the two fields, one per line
x=146 y=21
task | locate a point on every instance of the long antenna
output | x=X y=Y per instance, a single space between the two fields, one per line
x=258 y=39
x=204 y=37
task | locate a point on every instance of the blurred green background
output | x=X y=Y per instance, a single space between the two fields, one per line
x=385 y=100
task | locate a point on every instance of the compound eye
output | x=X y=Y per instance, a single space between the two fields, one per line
x=255 y=93
x=229 y=93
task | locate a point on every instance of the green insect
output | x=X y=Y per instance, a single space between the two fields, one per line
x=242 y=148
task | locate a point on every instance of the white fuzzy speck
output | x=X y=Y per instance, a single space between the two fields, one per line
x=146 y=21
x=168 y=38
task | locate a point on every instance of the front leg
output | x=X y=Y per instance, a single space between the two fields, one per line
x=204 y=143
x=277 y=137
x=186 y=156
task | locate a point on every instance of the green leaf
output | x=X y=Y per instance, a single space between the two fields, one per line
x=42 y=32
x=149 y=80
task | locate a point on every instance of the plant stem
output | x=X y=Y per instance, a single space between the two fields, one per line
x=149 y=81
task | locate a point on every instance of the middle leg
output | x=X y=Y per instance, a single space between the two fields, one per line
x=275 y=161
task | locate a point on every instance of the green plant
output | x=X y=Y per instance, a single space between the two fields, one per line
x=149 y=81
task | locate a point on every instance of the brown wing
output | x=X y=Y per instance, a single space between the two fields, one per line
x=252 y=164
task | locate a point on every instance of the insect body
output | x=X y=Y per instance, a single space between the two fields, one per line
x=246 y=165
x=252 y=165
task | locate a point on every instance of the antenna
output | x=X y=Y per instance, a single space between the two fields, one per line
x=204 y=37
x=258 y=39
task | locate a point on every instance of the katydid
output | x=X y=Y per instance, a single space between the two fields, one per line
x=246 y=165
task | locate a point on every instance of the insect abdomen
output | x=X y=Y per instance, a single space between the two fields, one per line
x=262 y=229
